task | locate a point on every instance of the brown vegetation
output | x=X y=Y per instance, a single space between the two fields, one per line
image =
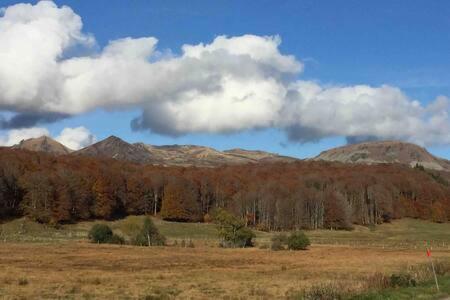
x=84 y=270
x=268 y=196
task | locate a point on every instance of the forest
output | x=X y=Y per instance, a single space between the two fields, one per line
x=268 y=196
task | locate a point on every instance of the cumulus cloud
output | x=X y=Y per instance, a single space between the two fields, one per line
x=227 y=85
x=73 y=138
x=26 y=120
x=14 y=136
x=32 y=40
x=360 y=112
x=76 y=138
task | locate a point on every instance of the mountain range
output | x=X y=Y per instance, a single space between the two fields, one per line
x=169 y=155
x=201 y=156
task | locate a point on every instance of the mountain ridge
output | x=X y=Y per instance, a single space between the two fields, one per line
x=166 y=155
x=203 y=156
x=385 y=152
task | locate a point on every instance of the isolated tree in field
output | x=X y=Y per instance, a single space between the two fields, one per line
x=149 y=235
x=298 y=241
x=232 y=230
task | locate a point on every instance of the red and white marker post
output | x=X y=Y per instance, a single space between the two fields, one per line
x=432 y=266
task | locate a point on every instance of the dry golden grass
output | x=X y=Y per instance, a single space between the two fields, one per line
x=81 y=270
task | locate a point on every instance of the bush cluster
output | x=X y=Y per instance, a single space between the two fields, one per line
x=102 y=234
x=145 y=234
x=298 y=241
x=402 y=280
x=295 y=241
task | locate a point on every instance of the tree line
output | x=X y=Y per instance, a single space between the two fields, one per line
x=268 y=196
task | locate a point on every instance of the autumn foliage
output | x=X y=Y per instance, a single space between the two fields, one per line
x=268 y=196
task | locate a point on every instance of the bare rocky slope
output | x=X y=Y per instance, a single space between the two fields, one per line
x=257 y=155
x=188 y=155
x=114 y=147
x=43 y=144
x=385 y=152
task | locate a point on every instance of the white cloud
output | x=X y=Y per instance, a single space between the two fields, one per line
x=73 y=138
x=15 y=136
x=383 y=112
x=263 y=50
x=32 y=41
x=228 y=85
x=76 y=138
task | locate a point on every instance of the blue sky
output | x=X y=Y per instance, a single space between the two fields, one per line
x=405 y=44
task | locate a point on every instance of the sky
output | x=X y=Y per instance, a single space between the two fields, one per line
x=291 y=77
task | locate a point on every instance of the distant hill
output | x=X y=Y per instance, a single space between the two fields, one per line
x=43 y=144
x=188 y=155
x=176 y=155
x=385 y=152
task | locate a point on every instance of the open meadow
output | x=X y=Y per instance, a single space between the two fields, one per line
x=39 y=261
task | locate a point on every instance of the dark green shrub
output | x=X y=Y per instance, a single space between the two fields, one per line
x=244 y=237
x=279 y=242
x=116 y=239
x=241 y=238
x=298 y=241
x=100 y=233
x=402 y=280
